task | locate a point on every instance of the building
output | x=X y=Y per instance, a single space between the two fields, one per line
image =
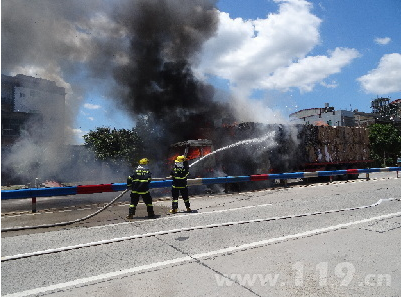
x=387 y=111
x=326 y=116
x=383 y=112
x=364 y=119
x=396 y=107
x=31 y=105
x=380 y=105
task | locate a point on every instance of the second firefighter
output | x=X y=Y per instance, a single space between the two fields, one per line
x=179 y=175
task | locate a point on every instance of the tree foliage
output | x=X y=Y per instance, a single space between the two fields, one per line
x=114 y=145
x=385 y=144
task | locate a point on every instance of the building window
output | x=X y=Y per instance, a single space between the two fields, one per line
x=11 y=127
x=21 y=95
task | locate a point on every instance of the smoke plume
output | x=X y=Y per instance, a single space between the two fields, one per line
x=141 y=52
x=165 y=39
x=142 y=55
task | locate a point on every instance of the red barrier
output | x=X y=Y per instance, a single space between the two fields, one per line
x=90 y=189
x=258 y=177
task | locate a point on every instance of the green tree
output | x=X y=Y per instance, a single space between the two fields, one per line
x=115 y=146
x=385 y=144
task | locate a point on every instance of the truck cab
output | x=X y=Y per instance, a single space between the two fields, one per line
x=195 y=150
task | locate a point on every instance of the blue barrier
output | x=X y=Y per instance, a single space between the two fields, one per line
x=224 y=179
x=286 y=175
x=238 y=179
x=119 y=187
x=38 y=192
x=159 y=184
x=90 y=189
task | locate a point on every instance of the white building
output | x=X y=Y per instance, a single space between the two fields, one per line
x=32 y=104
x=324 y=116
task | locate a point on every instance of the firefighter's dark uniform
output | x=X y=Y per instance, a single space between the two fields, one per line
x=180 y=174
x=139 y=185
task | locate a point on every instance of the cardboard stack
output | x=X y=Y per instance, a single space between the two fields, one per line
x=335 y=144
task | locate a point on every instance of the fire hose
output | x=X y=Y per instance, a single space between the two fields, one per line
x=65 y=223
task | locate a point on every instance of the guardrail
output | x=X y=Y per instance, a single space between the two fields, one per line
x=161 y=183
x=115 y=187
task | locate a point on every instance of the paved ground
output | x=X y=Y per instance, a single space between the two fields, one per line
x=337 y=239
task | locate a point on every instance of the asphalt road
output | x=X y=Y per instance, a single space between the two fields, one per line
x=328 y=239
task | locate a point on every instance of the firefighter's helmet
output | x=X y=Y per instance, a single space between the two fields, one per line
x=144 y=161
x=180 y=159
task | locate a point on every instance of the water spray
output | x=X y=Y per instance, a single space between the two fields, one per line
x=269 y=135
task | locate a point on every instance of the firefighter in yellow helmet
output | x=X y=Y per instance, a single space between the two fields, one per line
x=180 y=174
x=138 y=182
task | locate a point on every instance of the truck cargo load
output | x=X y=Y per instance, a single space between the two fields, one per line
x=293 y=148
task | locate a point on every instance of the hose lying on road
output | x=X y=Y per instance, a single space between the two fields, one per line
x=65 y=223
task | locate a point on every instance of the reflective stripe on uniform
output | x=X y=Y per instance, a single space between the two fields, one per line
x=140 y=193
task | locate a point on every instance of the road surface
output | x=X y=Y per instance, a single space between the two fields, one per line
x=328 y=239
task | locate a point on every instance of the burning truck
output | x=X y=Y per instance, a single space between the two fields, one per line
x=253 y=148
x=194 y=150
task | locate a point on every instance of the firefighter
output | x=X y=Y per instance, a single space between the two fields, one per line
x=180 y=174
x=139 y=185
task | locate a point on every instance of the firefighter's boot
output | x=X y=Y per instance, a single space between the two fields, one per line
x=174 y=206
x=188 y=205
x=151 y=213
x=131 y=212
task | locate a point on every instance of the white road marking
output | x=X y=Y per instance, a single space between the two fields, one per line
x=165 y=232
x=194 y=257
x=184 y=215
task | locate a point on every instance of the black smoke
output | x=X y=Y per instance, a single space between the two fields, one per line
x=165 y=39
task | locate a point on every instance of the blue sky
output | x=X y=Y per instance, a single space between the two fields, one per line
x=365 y=33
x=273 y=57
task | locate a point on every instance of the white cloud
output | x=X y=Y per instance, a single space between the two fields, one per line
x=333 y=84
x=308 y=71
x=271 y=53
x=91 y=118
x=386 y=78
x=75 y=136
x=383 y=41
x=78 y=131
x=91 y=106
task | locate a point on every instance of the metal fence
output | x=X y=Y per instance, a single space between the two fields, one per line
x=115 y=187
